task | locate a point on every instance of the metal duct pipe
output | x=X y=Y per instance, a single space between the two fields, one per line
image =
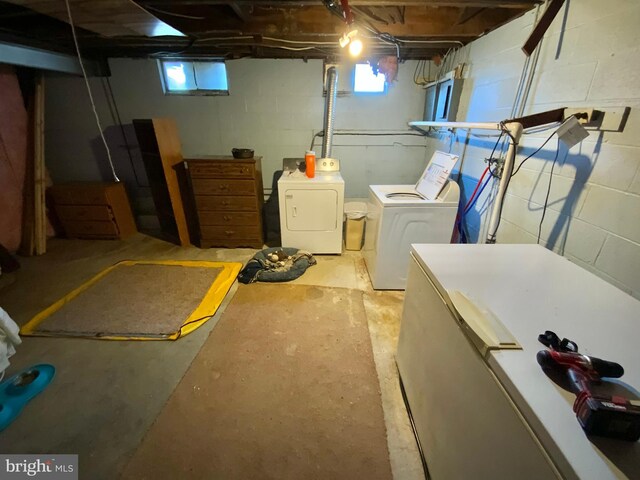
x=329 y=111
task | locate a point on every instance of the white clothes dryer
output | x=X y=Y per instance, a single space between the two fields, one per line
x=311 y=211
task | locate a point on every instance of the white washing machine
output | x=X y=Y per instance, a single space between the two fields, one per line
x=311 y=210
x=397 y=217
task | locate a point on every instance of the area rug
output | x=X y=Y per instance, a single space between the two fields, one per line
x=139 y=300
x=285 y=387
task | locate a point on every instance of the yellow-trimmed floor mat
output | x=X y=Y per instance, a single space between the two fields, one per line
x=139 y=300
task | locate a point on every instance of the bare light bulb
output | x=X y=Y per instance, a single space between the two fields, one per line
x=355 y=47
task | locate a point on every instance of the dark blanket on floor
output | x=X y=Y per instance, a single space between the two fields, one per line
x=277 y=264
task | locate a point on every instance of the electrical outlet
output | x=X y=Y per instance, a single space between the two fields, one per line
x=605 y=119
x=583 y=115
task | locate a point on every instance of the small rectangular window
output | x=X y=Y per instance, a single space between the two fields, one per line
x=194 y=77
x=364 y=81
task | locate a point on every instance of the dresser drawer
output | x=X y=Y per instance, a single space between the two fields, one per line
x=210 y=186
x=210 y=232
x=229 y=218
x=91 y=229
x=222 y=169
x=79 y=195
x=226 y=203
x=84 y=212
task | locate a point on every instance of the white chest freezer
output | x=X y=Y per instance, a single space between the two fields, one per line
x=490 y=413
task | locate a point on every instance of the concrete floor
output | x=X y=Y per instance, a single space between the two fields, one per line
x=106 y=394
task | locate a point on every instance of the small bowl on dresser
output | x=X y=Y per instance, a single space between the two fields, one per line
x=242 y=153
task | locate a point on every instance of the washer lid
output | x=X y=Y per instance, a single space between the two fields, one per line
x=404 y=196
x=436 y=174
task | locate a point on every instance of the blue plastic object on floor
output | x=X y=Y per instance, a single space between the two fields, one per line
x=18 y=390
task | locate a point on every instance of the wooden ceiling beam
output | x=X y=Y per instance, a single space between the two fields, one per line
x=278 y=22
x=109 y=18
x=239 y=11
x=467 y=14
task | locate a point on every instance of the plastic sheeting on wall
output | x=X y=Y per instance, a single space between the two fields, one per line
x=13 y=153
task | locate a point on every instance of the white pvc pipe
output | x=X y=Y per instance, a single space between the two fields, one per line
x=463 y=125
x=515 y=131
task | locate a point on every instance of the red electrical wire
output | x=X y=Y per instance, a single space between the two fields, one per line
x=476 y=189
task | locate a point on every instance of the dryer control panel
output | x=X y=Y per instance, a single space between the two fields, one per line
x=327 y=165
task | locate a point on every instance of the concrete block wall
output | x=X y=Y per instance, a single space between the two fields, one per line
x=274 y=107
x=588 y=58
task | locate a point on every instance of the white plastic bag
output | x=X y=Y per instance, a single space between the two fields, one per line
x=355 y=210
x=9 y=338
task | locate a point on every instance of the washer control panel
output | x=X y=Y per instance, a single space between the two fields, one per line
x=328 y=165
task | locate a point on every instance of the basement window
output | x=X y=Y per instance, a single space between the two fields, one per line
x=193 y=77
x=364 y=80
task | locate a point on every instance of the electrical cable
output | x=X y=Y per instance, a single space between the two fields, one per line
x=475 y=189
x=415 y=73
x=86 y=81
x=254 y=44
x=488 y=169
x=478 y=196
x=546 y=200
x=539 y=148
x=365 y=134
x=173 y=14
x=124 y=136
x=300 y=42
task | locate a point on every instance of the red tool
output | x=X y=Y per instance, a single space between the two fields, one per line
x=606 y=416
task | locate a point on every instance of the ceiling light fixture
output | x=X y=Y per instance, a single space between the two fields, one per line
x=355 y=47
x=346 y=38
x=350 y=37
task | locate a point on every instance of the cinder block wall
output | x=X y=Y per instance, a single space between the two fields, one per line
x=274 y=107
x=589 y=58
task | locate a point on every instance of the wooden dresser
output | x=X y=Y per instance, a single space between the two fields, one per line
x=226 y=201
x=94 y=210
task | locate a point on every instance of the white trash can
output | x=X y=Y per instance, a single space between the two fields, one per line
x=355 y=213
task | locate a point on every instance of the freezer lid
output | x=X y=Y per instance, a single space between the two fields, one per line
x=480 y=324
x=531 y=289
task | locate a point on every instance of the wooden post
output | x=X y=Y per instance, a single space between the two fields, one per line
x=39 y=175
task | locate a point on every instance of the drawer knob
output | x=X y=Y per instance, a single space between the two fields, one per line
x=226 y=218
x=229 y=232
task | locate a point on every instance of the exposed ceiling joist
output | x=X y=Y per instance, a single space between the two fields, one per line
x=413 y=29
x=110 y=18
x=467 y=14
x=240 y=12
